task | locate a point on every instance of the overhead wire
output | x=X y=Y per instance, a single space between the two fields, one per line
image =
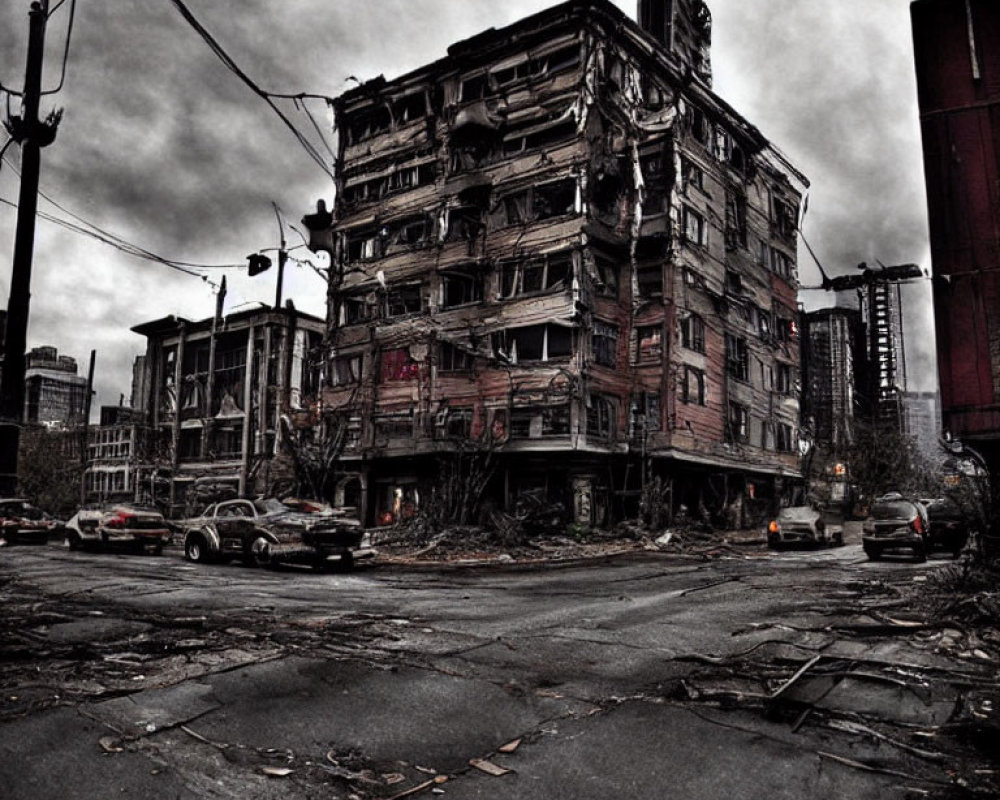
x=69 y=35
x=233 y=67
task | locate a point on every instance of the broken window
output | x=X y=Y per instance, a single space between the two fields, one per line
x=410 y=108
x=650 y=343
x=734 y=282
x=736 y=219
x=402 y=300
x=189 y=445
x=698 y=125
x=475 y=87
x=783 y=378
x=409 y=233
x=737 y=357
x=537 y=203
x=655 y=96
x=457 y=423
x=764 y=324
x=649 y=278
x=460 y=288
x=393 y=426
x=694 y=227
x=227 y=441
x=691 y=175
x=781 y=264
x=785 y=330
x=345 y=370
x=355 y=309
x=738 y=423
x=607 y=277
x=645 y=413
x=601 y=417
x=362 y=245
x=783 y=438
x=367 y=123
x=693 y=386
x=453 y=359
x=693 y=333
x=533 y=422
x=784 y=218
x=397 y=365
x=554 y=199
x=544 y=136
x=539 y=274
x=464 y=223
x=230 y=370
x=605 y=344
x=533 y=343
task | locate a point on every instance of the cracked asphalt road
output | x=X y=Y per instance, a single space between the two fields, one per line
x=780 y=675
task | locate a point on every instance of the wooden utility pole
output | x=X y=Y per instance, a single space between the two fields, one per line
x=32 y=135
x=85 y=434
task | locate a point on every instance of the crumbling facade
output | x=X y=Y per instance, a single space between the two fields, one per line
x=558 y=246
x=220 y=396
x=958 y=89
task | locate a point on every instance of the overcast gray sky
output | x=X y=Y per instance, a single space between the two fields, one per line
x=164 y=147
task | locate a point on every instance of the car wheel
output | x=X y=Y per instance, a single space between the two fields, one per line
x=196 y=550
x=260 y=551
x=873 y=553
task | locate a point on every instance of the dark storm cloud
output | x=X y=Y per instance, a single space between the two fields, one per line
x=164 y=146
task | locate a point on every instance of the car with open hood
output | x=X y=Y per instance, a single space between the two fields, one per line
x=803 y=525
x=896 y=523
x=136 y=527
x=20 y=521
x=270 y=532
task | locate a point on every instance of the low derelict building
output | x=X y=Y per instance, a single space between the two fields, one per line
x=558 y=249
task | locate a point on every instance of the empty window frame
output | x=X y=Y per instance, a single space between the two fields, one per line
x=453 y=359
x=737 y=357
x=693 y=333
x=734 y=282
x=602 y=417
x=784 y=329
x=464 y=223
x=697 y=124
x=460 y=288
x=533 y=343
x=345 y=370
x=533 y=422
x=693 y=387
x=649 y=279
x=362 y=245
x=783 y=378
x=367 y=123
x=536 y=203
x=543 y=136
x=645 y=413
x=604 y=340
x=409 y=233
x=393 y=426
x=784 y=218
x=561 y=60
x=694 y=227
x=692 y=175
x=649 y=344
x=736 y=219
x=410 y=108
x=783 y=438
x=781 y=263
x=457 y=423
x=403 y=300
x=540 y=274
x=354 y=309
x=606 y=283
x=738 y=423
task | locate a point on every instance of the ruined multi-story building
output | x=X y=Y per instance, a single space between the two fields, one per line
x=218 y=395
x=833 y=375
x=54 y=394
x=557 y=244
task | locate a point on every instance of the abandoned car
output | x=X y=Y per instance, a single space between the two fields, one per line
x=269 y=532
x=139 y=528
x=896 y=523
x=803 y=525
x=20 y=521
x=949 y=527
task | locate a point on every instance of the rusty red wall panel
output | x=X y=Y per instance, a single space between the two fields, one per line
x=957 y=50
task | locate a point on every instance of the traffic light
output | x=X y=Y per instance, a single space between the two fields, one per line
x=258 y=263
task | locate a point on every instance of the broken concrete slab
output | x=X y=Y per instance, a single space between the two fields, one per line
x=147 y=712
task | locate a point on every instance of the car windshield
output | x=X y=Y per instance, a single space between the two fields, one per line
x=895 y=509
x=271 y=506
